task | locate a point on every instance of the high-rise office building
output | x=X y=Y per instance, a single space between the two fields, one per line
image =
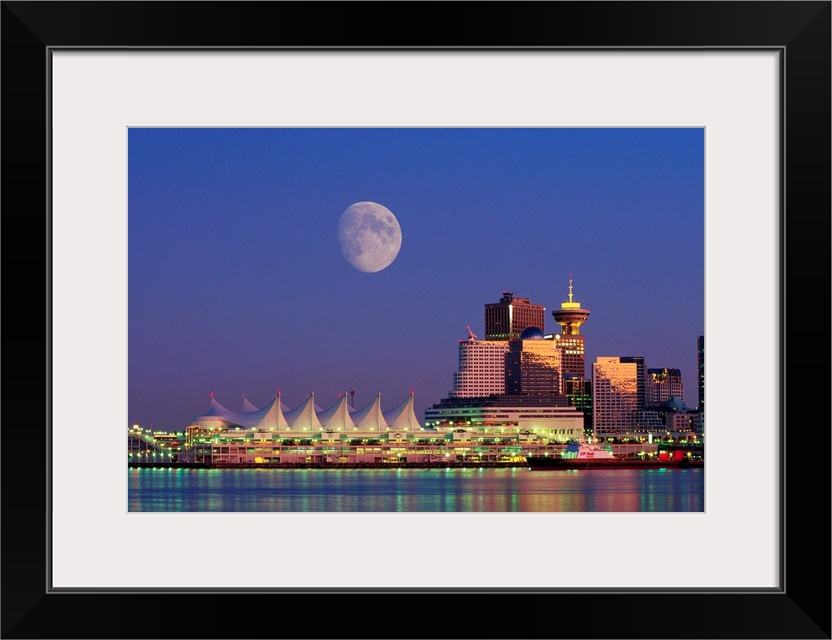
x=618 y=396
x=641 y=378
x=700 y=362
x=662 y=385
x=482 y=368
x=578 y=391
x=533 y=365
x=506 y=319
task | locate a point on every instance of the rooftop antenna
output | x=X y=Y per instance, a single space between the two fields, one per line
x=471 y=335
x=570 y=287
x=352 y=398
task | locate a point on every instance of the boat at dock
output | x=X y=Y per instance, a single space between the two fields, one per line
x=586 y=455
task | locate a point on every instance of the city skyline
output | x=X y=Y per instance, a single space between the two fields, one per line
x=237 y=285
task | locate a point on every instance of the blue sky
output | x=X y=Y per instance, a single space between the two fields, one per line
x=237 y=284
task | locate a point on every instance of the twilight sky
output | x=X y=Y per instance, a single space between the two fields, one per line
x=237 y=284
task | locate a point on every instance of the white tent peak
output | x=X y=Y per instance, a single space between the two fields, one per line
x=370 y=416
x=215 y=409
x=337 y=417
x=283 y=406
x=403 y=416
x=273 y=418
x=304 y=416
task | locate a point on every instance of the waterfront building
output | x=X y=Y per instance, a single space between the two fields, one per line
x=662 y=385
x=683 y=425
x=544 y=417
x=306 y=417
x=646 y=423
x=499 y=429
x=617 y=394
x=482 y=368
x=307 y=433
x=506 y=319
x=533 y=365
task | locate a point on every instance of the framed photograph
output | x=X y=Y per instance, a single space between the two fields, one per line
x=88 y=86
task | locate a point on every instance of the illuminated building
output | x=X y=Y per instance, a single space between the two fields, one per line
x=498 y=429
x=506 y=319
x=641 y=378
x=482 y=368
x=308 y=417
x=662 y=385
x=509 y=416
x=574 y=384
x=578 y=390
x=683 y=425
x=508 y=391
x=618 y=397
x=570 y=317
x=533 y=365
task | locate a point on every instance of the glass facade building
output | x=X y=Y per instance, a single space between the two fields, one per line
x=617 y=394
x=533 y=368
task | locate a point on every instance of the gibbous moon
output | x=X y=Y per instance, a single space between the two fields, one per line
x=369 y=236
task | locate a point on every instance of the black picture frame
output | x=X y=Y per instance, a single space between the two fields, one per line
x=800 y=31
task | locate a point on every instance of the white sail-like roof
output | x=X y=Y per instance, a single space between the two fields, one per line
x=215 y=410
x=274 y=418
x=370 y=417
x=340 y=416
x=337 y=417
x=304 y=416
x=247 y=406
x=247 y=419
x=403 y=416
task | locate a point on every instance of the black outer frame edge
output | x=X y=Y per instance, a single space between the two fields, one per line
x=29 y=29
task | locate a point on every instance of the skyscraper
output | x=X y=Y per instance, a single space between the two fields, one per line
x=618 y=398
x=533 y=365
x=506 y=319
x=641 y=378
x=482 y=368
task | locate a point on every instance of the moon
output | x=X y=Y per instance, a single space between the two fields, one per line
x=369 y=236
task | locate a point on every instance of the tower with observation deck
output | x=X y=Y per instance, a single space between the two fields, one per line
x=570 y=317
x=570 y=342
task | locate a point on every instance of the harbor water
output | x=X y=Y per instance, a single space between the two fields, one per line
x=416 y=490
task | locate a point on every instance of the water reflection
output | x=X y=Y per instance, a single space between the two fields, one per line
x=415 y=490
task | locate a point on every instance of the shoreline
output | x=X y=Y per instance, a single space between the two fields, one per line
x=409 y=465
x=331 y=465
